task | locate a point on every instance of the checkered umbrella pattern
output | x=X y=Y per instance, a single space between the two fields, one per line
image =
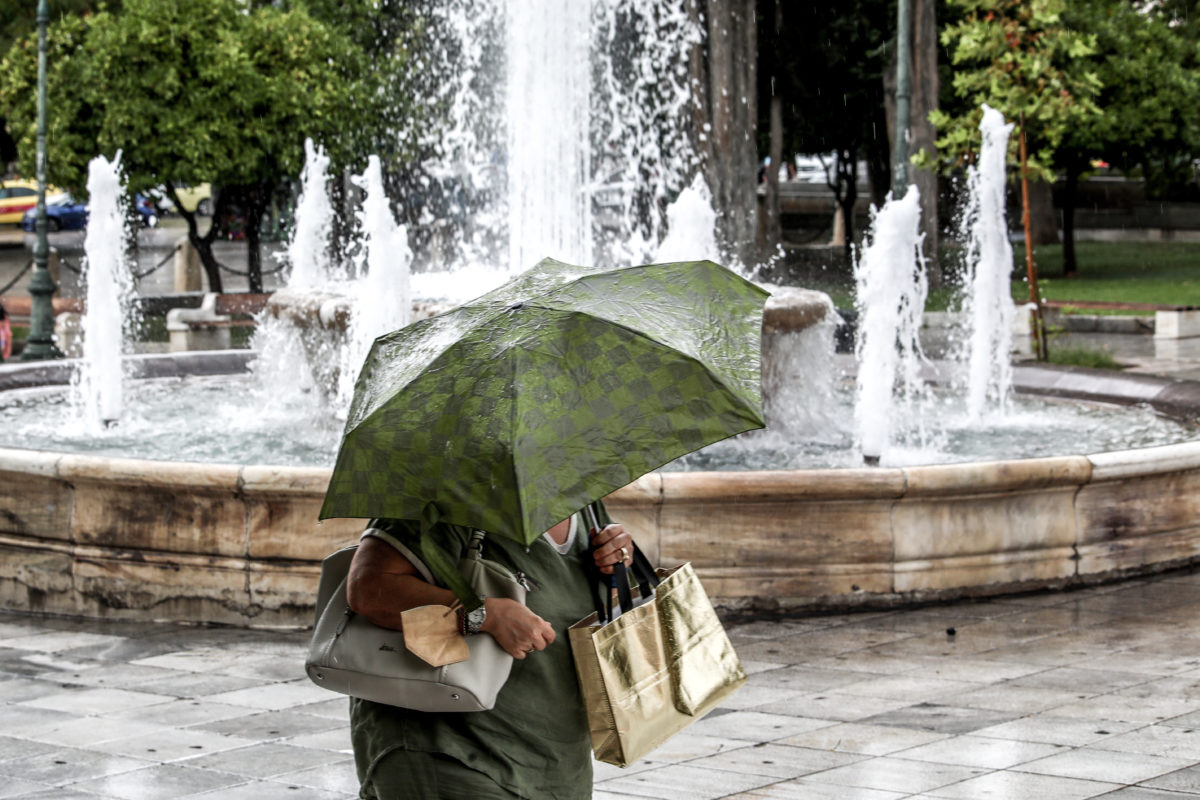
x=513 y=411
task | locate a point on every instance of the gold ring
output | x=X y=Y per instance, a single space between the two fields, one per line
x=530 y=650
x=624 y=555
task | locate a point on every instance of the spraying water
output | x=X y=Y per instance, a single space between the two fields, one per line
x=307 y=251
x=891 y=290
x=109 y=292
x=691 y=226
x=382 y=299
x=989 y=255
x=548 y=82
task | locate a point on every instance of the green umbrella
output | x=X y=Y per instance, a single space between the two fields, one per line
x=513 y=411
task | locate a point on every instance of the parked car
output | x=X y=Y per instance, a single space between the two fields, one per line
x=197 y=199
x=64 y=213
x=16 y=197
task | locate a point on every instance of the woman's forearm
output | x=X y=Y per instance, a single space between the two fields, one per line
x=382 y=598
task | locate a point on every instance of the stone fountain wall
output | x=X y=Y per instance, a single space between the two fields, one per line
x=125 y=539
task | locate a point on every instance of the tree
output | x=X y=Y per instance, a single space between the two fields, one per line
x=193 y=91
x=722 y=73
x=18 y=18
x=1019 y=57
x=828 y=71
x=1148 y=63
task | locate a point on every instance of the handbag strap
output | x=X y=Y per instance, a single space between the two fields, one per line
x=602 y=585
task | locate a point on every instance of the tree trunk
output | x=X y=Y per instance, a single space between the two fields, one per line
x=1070 y=198
x=203 y=244
x=924 y=135
x=255 y=200
x=774 y=226
x=1042 y=219
x=846 y=193
x=723 y=72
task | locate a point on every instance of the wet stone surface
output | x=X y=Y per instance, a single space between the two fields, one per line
x=1067 y=695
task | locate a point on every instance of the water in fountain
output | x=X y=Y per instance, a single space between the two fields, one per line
x=568 y=127
x=549 y=93
x=691 y=226
x=890 y=297
x=988 y=308
x=100 y=380
x=307 y=253
x=382 y=301
x=635 y=158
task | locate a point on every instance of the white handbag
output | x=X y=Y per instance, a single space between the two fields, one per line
x=351 y=655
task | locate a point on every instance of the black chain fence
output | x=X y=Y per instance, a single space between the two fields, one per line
x=20 y=275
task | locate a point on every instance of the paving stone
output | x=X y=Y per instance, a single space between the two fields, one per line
x=684 y=780
x=805 y=789
x=1051 y=729
x=266 y=760
x=980 y=751
x=1007 y=785
x=1181 y=780
x=874 y=740
x=159 y=782
x=271 y=725
x=755 y=726
x=1104 y=765
x=69 y=765
x=942 y=719
x=173 y=744
x=890 y=774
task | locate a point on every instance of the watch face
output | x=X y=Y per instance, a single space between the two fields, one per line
x=475 y=620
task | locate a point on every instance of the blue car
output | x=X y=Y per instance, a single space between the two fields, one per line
x=63 y=213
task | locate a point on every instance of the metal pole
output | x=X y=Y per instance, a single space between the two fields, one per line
x=1035 y=297
x=40 y=344
x=903 y=97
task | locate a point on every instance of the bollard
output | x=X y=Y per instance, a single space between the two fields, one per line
x=53 y=263
x=189 y=277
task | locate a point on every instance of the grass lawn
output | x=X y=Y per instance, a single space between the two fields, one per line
x=1129 y=272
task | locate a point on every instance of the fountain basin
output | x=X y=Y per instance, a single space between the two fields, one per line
x=133 y=539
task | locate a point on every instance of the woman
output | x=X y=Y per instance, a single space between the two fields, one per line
x=534 y=743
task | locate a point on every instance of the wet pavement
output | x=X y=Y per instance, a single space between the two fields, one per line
x=1062 y=695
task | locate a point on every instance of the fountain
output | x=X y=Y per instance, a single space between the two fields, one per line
x=114 y=536
x=109 y=291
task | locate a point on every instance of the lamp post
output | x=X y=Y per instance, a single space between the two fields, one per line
x=903 y=98
x=40 y=344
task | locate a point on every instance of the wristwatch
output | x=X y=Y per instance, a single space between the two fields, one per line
x=473 y=621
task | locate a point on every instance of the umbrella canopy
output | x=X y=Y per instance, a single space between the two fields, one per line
x=513 y=411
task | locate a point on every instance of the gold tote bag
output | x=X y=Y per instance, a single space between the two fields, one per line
x=655 y=669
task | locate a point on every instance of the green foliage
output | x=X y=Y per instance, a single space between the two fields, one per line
x=72 y=128
x=193 y=91
x=1017 y=56
x=1083 y=357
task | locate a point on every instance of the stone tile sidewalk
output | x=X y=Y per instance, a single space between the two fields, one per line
x=1052 y=695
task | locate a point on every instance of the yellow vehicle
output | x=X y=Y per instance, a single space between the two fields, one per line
x=17 y=197
x=197 y=199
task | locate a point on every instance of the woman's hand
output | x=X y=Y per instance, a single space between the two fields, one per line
x=612 y=546
x=515 y=628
